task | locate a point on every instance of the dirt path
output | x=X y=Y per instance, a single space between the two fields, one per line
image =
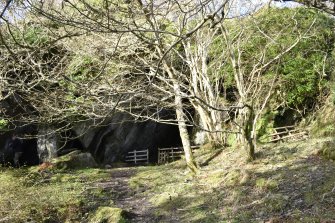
x=137 y=207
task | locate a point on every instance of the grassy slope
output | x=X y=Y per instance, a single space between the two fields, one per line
x=287 y=183
x=49 y=196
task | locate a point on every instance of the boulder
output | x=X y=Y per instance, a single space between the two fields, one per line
x=75 y=160
x=328 y=150
x=107 y=215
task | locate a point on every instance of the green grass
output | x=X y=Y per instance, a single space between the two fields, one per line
x=286 y=178
x=289 y=182
x=27 y=194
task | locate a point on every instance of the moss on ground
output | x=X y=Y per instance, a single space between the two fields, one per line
x=48 y=196
x=327 y=150
x=287 y=183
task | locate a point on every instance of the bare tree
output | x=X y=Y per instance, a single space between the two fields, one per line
x=327 y=6
x=256 y=76
x=100 y=57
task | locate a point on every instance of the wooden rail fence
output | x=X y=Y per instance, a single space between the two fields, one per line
x=166 y=155
x=288 y=132
x=138 y=156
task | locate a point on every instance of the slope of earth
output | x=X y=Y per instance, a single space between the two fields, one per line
x=287 y=183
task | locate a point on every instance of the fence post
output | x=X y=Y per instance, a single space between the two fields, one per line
x=147 y=156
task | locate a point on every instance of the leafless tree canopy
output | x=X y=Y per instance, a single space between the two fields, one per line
x=74 y=60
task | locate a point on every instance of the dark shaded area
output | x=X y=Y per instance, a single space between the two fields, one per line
x=111 y=141
x=165 y=136
x=28 y=147
x=15 y=107
x=286 y=117
x=207 y=161
x=69 y=142
x=30 y=155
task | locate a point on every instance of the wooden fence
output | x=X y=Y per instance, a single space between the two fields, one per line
x=138 y=156
x=166 y=155
x=288 y=132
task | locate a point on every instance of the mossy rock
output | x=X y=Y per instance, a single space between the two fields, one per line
x=233 y=178
x=108 y=215
x=328 y=150
x=266 y=184
x=75 y=160
x=276 y=202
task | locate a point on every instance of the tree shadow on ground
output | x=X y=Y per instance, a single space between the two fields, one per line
x=281 y=186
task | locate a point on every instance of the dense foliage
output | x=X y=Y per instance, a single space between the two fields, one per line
x=303 y=72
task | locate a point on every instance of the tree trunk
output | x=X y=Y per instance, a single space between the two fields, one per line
x=248 y=131
x=202 y=87
x=207 y=124
x=184 y=135
x=181 y=119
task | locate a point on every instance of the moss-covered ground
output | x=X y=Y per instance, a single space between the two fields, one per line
x=29 y=195
x=288 y=182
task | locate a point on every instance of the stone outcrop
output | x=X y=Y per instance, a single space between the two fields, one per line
x=74 y=160
x=47 y=144
x=107 y=141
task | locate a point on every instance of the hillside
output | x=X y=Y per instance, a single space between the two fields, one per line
x=87 y=85
x=288 y=182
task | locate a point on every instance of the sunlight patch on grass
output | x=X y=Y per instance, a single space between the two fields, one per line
x=28 y=195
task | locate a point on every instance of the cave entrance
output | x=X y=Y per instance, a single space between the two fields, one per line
x=286 y=117
x=25 y=156
x=30 y=154
x=116 y=143
x=166 y=136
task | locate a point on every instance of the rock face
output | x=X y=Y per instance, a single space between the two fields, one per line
x=47 y=144
x=108 y=142
x=111 y=142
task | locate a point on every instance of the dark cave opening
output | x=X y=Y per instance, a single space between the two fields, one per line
x=286 y=117
x=165 y=137
x=28 y=155
x=109 y=143
x=112 y=143
x=69 y=142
